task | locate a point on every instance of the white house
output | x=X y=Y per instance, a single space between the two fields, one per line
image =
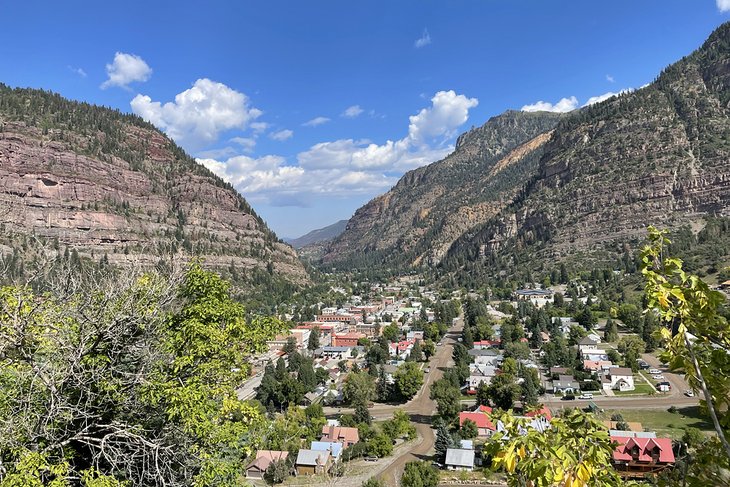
x=619 y=378
x=486 y=356
x=586 y=344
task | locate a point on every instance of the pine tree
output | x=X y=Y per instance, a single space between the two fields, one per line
x=444 y=441
x=416 y=354
x=383 y=389
x=313 y=342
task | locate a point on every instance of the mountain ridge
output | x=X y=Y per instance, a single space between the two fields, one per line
x=110 y=185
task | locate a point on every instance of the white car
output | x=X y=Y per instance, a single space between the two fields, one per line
x=586 y=396
x=655 y=371
x=689 y=393
x=657 y=377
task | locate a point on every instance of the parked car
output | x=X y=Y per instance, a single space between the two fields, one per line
x=664 y=386
x=569 y=397
x=655 y=371
x=643 y=365
x=586 y=396
x=657 y=377
x=689 y=393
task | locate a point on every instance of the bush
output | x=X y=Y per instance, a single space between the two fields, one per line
x=673 y=409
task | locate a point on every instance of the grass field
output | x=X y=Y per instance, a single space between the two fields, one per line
x=640 y=388
x=664 y=422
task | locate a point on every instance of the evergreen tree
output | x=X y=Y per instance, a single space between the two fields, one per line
x=313 y=342
x=383 y=388
x=290 y=346
x=443 y=442
x=610 y=332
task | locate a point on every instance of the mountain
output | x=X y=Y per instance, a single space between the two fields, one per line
x=656 y=156
x=534 y=189
x=110 y=186
x=430 y=207
x=318 y=236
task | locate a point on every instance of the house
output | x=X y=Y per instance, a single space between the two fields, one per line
x=334 y=352
x=619 y=378
x=585 y=344
x=487 y=344
x=594 y=336
x=565 y=384
x=484 y=425
x=555 y=371
x=335 y=448
x=311 y=462
x=597 y=365
x=486 y=356
x=459 y=459
x=264 y=458
x=543 y=411
x=402 y=349
x=342 y=434
x=633 y=433
x=634 y=457
x=479 y=374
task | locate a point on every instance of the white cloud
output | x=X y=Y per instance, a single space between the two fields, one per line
x=199 y=114
x=126 y=69
x=247 y=143
x=316 y=121
x=447 y=112
x=723 y=5
x=605 y=96
x=348 y=167
x=78 y=71
x=259 y=127
x=352 y=112
x=282 y=135
x=423 y=41
x=564 y=105
x=610 y=78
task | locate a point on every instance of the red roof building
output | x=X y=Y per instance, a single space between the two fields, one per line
x=346 y=339
x=636 y=457
x=544 y=411
x=340 y=434
x=481 y=419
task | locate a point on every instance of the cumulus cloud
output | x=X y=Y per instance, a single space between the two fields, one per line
x=126 y=69
x=599 y=98
x=423 y=41
x=610 y=78
x=348 y=167
x=723 y=5
x=282 y=135
x=352 y=112
x=564 y=105
x=316 y=122
x=199 y=114
x=447 y=112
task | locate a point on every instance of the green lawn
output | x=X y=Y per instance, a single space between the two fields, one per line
x=664 y=422
x=640 y=388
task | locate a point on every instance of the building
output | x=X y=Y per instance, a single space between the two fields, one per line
x=459 y=459
x=335 y=448
x=334 y=352
x=484 y=425
x=350 y=339
x=597 y=365
x=264 y=458
x=312 y=462
x=342 y=434
x=619 y=378
x=482 y=344
x=635 y=457
x=486 y=356
x=565 y=384
x=585 y=344
x=479 y=374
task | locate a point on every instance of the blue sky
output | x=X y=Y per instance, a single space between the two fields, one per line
x=312 y=108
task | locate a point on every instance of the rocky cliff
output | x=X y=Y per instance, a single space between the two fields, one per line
x=656 y=156
x=417 y=221
x=112 y=186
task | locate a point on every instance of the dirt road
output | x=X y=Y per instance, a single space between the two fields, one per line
x=422 y=410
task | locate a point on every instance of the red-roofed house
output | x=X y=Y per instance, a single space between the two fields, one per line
x=340 y=434
x=484 y=424
x=544 y=411
x=486 y=344
x=635 y=457
x=264 y=458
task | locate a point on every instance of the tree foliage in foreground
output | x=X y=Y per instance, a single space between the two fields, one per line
x=575 y=452
x=697 y=338
x=131 y=380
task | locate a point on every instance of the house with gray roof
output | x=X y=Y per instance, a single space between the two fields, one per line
x=459 y=459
